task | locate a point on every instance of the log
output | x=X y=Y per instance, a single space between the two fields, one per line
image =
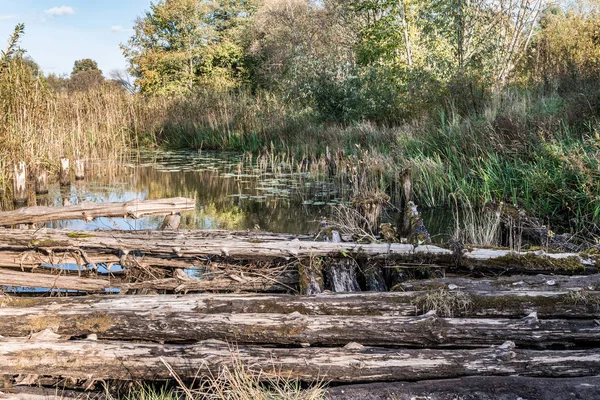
x=548 y=305
x=191 y=246
x=515 y=283
x=19 y=184
x=60 y=282
x=96 y=360
x=473 y=388
x=88 y=211
x=169 y=324
x=65 y=172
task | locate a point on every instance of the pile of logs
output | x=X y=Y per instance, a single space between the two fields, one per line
x=496 y=322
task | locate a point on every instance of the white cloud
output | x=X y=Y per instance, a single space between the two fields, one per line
x=60 y=11
x=3 y=17
x=117 y=28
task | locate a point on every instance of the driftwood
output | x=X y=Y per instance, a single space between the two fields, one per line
x=474 y=388
x=94 y=360
x=88 y=211
x=516 y=283
x=124 y=319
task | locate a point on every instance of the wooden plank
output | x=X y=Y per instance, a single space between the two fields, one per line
x=88 y=211
x=95 y=360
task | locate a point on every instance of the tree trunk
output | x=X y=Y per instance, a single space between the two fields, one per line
x=95 y=360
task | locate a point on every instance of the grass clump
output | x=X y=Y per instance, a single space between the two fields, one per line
x=444 y=302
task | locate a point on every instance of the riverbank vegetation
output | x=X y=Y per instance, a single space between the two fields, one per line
x=486 y=101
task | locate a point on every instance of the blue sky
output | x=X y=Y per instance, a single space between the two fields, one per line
x=59 y=32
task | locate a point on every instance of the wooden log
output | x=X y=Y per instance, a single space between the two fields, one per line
x=163 y=324
x=191 y=246
x=515 y=283
x=88 y=211
x=41 y=182
x=95 y=360
x=19 y=184
x=473 y=388
x=24 y=279
x=79 y=169
x=65 y=172
x=548 y=305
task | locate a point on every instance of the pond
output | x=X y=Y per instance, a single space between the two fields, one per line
x=233 y=191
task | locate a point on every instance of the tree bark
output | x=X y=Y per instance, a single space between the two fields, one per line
x=516 y=283
x=88 y=211
x=473 y=388
x=95 y=360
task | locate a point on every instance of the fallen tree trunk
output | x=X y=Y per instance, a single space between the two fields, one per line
x=88 y=211
x=193 y=247
x=555 y=305
x=169 y=324
x=515 y=283
x=473 y=388
x=95 y=360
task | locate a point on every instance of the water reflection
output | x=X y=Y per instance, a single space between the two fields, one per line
x=231 y=192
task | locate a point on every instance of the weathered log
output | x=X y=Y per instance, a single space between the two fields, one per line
x=88 y=211
x=193 y=245
x=59 y=392
x=473 y=388
x=95 y=360
x=24 y=279
x=163 y=324
x=515 y=283
x=556 y=305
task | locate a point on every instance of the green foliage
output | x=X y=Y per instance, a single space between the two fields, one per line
x=85 y=65
x=182 y=44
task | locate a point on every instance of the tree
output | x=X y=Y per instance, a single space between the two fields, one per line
x=85 y=65
x=180 y=44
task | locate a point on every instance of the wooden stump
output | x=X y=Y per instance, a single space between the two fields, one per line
x=65 y=173
x=41 y=182
x=19 y=184
x=79 y=169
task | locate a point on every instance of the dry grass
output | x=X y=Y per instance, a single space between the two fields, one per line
x=445 y=303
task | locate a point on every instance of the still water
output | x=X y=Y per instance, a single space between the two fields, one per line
x=232 y=191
